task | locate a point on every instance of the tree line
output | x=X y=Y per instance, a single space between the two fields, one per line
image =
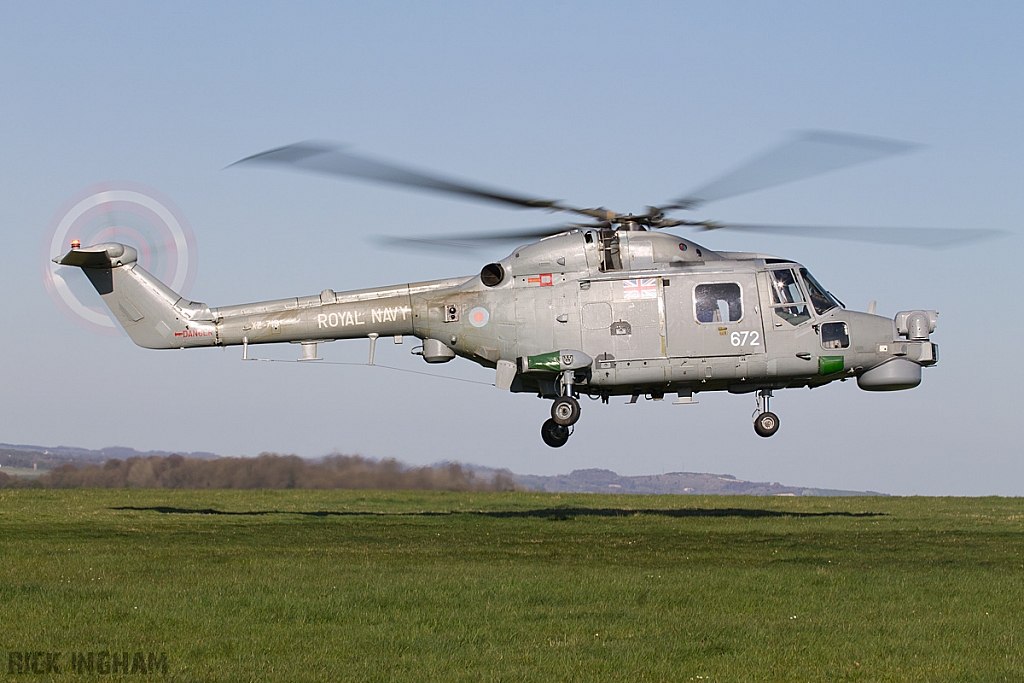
x=268 y=471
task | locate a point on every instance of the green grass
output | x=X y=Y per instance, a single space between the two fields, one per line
x=360 y=586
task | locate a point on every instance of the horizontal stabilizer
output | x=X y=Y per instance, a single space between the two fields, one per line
x=107 y=255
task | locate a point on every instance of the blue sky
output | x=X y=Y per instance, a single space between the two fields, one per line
x=614 y=104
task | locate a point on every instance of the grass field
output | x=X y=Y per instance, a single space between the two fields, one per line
x=361 y=586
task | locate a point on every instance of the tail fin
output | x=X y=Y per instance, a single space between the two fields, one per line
x=154 y=316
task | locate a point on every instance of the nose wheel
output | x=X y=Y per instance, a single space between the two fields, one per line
x=766 y=422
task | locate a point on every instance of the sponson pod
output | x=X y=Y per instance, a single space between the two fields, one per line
x=556 y=361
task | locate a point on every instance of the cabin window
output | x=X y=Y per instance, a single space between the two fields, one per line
x=820 y=297
x=786 y=291
x=720 y=302
x=835 y=336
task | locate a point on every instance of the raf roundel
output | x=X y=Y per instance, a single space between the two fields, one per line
x=479 y=316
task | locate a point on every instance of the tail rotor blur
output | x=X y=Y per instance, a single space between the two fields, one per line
x=129 y=213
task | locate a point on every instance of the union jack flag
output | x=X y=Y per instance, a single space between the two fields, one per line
x=644 y=288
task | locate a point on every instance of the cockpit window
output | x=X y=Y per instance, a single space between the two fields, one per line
x=835 y=336
x=786 y=291
x=820 y=298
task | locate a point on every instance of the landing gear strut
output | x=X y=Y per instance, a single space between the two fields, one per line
x=565 y=412
x=766 y=422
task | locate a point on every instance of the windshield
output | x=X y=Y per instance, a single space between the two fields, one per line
x=787 y=297
x=820 y=297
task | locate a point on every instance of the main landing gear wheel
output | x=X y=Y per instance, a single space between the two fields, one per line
x=766 y=424
x=565 y=411
x=554 y=434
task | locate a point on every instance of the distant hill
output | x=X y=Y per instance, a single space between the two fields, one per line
x=25 y=457
x=51 y=457
x=692 y=483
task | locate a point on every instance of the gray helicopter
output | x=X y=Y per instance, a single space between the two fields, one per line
x=605 y=307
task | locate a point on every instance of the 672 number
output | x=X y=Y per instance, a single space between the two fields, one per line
x=745 y=338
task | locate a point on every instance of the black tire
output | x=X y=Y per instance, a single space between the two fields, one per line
x=766 y=424
x=554 y=434
x=565 y=411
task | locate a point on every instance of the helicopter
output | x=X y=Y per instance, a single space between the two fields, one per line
x=608 y=305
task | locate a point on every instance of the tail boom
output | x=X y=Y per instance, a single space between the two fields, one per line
x=156 y=317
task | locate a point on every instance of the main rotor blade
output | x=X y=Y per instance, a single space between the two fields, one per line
x=934 y=238
x=476 y=240
x=808 y=154
x=330 y=159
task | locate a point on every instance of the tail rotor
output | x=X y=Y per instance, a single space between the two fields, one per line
x=128 y=213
